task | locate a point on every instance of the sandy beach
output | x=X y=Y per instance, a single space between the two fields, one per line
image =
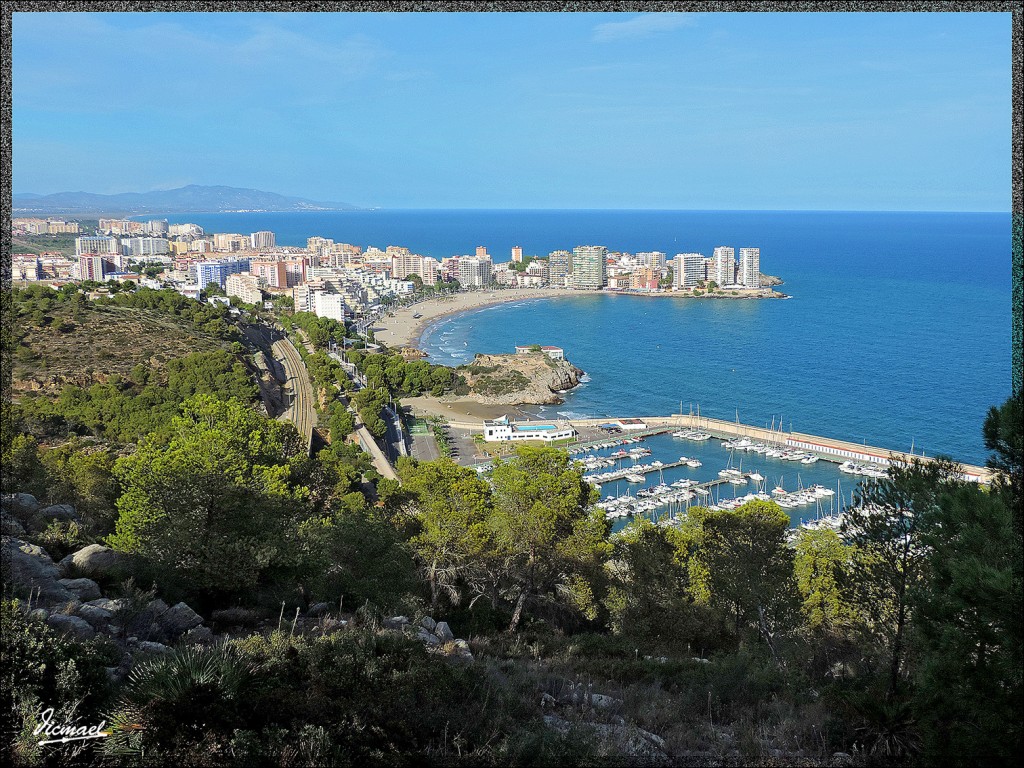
x=462 y=412
x=404 y=330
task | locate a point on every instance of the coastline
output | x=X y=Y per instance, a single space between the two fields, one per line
x=404 y=330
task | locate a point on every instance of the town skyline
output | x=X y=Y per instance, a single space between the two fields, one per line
x=670 y=111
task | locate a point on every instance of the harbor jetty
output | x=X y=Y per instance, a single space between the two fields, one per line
x=824 y=448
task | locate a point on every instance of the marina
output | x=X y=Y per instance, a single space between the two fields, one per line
x=726 y=464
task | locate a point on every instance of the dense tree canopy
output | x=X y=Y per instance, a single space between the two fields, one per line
x=214 y=507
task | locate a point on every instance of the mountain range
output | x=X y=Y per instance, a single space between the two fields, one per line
x=194 y=198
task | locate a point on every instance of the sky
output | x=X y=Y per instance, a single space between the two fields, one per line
x=684 y=111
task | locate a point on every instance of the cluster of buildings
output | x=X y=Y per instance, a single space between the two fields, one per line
x=31 y=226
x=341 y=280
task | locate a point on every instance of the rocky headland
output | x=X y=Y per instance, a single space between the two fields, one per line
x=522 y=379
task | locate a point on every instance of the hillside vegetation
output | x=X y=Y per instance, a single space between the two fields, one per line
x=63 y=338
x=305 y=590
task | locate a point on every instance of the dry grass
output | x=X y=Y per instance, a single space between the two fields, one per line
x=103 y=341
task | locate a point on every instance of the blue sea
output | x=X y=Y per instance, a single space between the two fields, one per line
x=897 y=333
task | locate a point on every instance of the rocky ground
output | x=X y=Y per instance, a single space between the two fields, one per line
x=68 y=596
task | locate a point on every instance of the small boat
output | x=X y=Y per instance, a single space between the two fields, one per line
x=694 y=463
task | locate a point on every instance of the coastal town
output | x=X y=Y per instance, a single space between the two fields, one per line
x=342 y=281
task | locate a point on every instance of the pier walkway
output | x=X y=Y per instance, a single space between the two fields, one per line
x=636 y=469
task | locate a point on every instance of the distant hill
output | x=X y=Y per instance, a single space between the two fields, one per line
x=191 y=199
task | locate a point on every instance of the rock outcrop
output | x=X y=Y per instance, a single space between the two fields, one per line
x=527 y=379
x=96 y=560
x=29 y=567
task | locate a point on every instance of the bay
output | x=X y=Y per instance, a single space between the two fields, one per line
x=897 y=332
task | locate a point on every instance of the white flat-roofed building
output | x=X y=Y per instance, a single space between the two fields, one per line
x=184 y=230
x=245 y=287
x=538 y=268
x=589 y=267
x=262 y=239
x=330 y=305
x=555 y=353
x=653 y=259
x=724 y=265
x=144 y=246
x=101 y=245
x=497 y=430
x=688 y=270
x=430 y=270
x=750 y=267
x=226 y=241
x=559 y=268
x=475 y=271
x=25 y=268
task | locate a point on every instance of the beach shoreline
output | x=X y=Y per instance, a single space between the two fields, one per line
x=404 y=330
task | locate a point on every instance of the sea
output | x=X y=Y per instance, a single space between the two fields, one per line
x=897 y=332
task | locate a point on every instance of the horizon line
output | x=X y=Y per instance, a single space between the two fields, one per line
x=375 y=209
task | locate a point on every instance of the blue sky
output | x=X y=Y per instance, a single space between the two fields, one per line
x=764 y=111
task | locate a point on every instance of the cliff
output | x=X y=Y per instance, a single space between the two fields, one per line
x=530 y=379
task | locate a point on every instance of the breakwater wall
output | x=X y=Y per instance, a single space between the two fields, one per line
x=824 y=447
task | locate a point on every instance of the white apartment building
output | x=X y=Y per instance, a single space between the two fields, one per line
x=230 y=242
x=723 y=269
x=184 y=230
x=688 y=270
x=318 y=244
x=120 y=226
x=404 y=263
x=25 y=267
x=245 y=287
x=538 y=268
x=750 y=267
x=655 y=260
x=589 y=267
x=559 y=267
x=144 y=246
x=330 y=305
x=262 y=240
x=475 y=271
x=101 y=245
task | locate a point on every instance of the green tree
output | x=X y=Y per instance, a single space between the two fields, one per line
x=742 y=563
x=1004 y=436
x=453 y=539
x=822 y=565
x=968 y=631
x=885 y=525
x=213 y=508
x=649 y=594
x=552 y=543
